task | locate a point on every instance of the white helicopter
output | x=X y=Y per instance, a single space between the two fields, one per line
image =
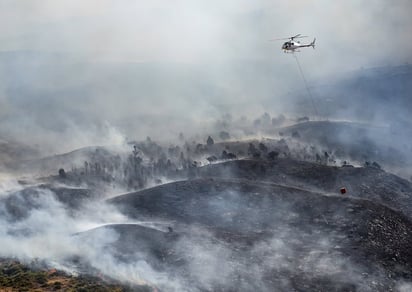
x=292 y=46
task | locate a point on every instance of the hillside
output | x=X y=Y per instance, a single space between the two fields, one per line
x=363 y=182
x=355 y=141
x=247 y=214
x=242 y=216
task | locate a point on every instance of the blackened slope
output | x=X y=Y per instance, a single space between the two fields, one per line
x=244 y=208
x=303 y=231
x=17 y=205
x=134 y=242
x=211 y=202
x=355 y=141
x=51 y=164
x=368 y=183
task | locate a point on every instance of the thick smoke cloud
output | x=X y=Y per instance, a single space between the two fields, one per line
x=51 y=234
x=153 y=68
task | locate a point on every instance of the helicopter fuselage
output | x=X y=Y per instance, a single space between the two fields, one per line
x=292 y=45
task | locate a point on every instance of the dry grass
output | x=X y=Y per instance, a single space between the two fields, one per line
x=15 y=276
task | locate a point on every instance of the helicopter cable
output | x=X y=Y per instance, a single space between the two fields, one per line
x=307 y=86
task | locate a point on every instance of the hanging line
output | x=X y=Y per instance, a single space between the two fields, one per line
x=307 y=86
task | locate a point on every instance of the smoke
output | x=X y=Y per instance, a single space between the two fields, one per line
x=403 y=287
x=156 y=68
x=48 y=233
x=104 y=72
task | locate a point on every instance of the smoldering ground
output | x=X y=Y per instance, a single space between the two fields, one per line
x=197 y=258
x=288 y=243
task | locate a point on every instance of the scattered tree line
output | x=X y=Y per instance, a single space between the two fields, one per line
x=149 y=162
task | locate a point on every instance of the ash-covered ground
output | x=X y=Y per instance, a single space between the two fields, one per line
x=217 y=214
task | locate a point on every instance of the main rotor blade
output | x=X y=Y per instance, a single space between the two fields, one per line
x=279 y=39
x=298 y=36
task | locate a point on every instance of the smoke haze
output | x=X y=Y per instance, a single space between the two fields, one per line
x=109 y=73
x=75 y=73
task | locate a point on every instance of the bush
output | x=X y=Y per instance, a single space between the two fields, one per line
x=57 y=285
x=40 y=278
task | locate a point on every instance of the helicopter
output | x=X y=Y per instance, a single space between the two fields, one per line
x=292 y=46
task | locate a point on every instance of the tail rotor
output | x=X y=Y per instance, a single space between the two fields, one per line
x=313 y=43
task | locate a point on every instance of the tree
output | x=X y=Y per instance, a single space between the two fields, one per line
x=210 y=141
x=231 y=155
x=262 y=147
x=135 y=151
x=252 y=151
x=272 y=155
x=62 y=173
x=376 y=165
x=224 y=155
x=86 y=167
x=211 y=158
x=227 y=155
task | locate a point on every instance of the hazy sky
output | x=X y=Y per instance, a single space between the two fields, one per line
x=224 y=43
x=202 y=31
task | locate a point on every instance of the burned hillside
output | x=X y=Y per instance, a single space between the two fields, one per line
x=264 y=214
x=245 y=215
